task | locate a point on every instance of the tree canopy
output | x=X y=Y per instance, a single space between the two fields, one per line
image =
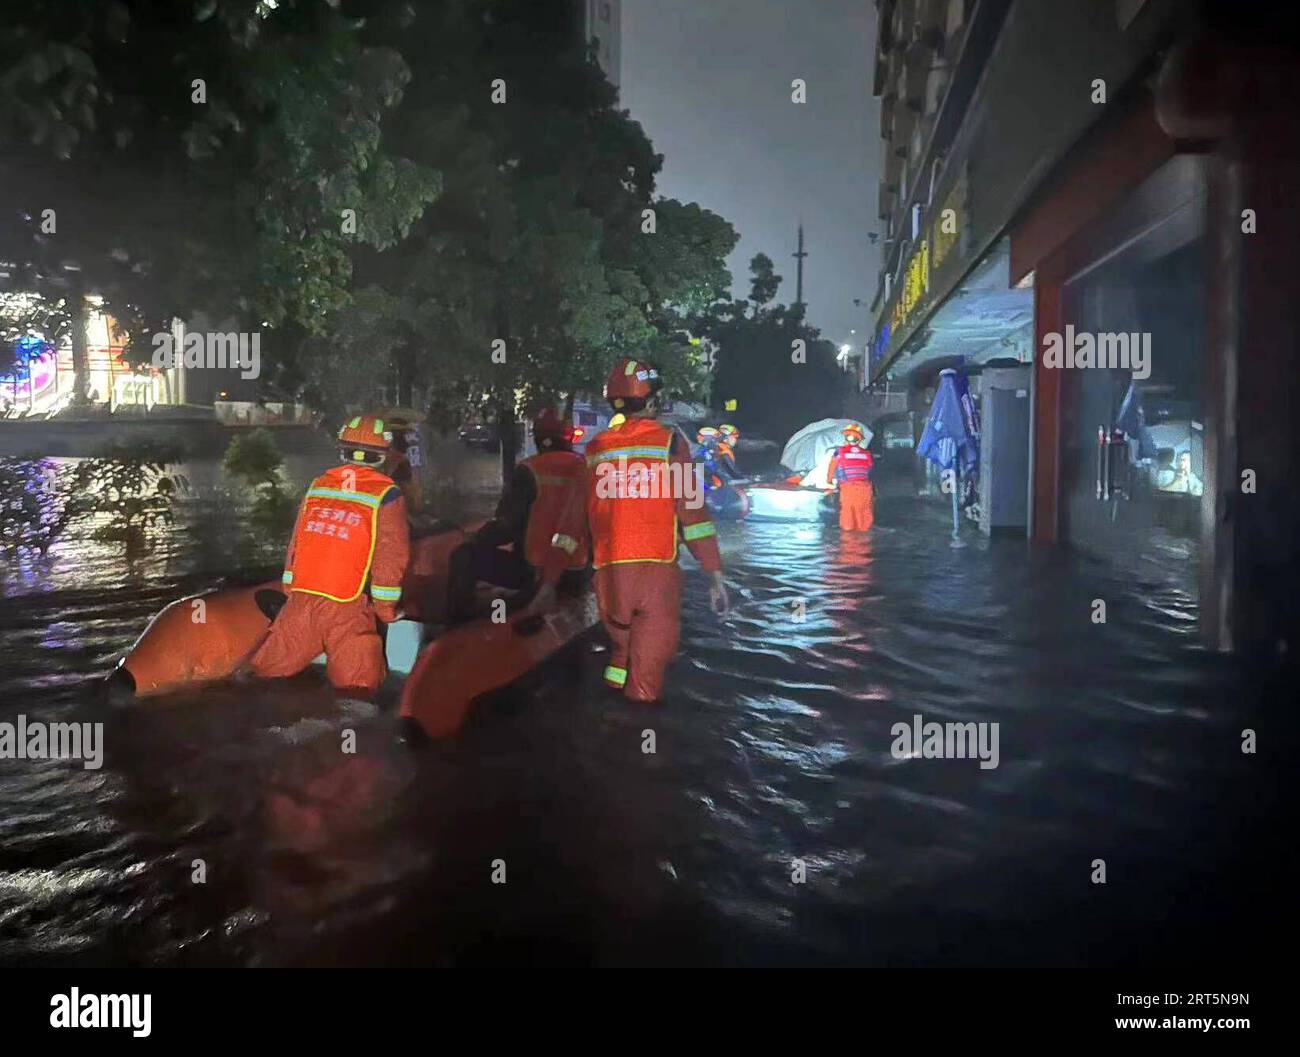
x=441 y=196
x=178 y=158
x=780 y=372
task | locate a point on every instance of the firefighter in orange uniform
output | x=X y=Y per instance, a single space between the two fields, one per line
x=344 y=568
x=638 y=506
x=540 y=515
x=850 y=469
x=727 y=449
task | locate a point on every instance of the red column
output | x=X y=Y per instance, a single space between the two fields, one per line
x=1045 y=513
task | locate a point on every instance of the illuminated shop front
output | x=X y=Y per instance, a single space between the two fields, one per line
x=42 y=382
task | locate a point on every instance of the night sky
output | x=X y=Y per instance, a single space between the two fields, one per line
x=710 y=82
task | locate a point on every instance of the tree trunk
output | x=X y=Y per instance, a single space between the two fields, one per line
x=506 y=430
x=505 y=401
x=80 y=351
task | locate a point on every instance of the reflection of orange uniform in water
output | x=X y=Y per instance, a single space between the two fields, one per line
x=351 y=532
x=635 y=518
x=850 y=467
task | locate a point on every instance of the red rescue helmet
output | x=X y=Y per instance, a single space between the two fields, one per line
x=708 y=435
x=853 y=430
x=366 y=439
x=551 y=429
x=631 y=380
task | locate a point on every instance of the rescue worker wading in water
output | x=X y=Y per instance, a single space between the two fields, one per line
x=344 y=568
x=850 y=469
x=540 y=514
x=637 y=509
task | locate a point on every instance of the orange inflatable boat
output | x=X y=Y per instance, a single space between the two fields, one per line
x=206 y=638
x=469 y=661
x=195 y=640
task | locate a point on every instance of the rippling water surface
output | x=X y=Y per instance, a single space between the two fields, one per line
x=1118 y=742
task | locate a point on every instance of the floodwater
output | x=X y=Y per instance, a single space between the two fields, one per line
x=1118 y=743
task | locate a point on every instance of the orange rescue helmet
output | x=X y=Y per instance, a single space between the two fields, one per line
x=550 y=427
x=631 y=380
x=366 y=438
x=729 y=432
x=708 y=435
x=853 y=430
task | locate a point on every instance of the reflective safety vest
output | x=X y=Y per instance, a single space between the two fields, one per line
x=630 y=504
x=557 y=474
x=334 y=544
x=852 y=464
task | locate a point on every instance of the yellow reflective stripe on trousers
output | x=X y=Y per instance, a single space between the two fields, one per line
x=385 y=594
x=287 y=578
x=566 y=543
x=700 y=531
x=617 y=676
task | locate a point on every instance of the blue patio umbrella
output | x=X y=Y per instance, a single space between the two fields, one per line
x=951 y=436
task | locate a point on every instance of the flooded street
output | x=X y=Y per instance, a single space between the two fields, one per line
x=1118 y=742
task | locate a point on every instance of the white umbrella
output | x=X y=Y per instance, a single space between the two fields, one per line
x=809 y=447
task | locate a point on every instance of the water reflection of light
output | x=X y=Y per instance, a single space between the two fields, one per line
x=60 y=633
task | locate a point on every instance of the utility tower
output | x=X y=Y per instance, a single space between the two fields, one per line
x=799 y=255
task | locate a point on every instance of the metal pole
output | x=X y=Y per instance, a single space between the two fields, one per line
x=956 y=514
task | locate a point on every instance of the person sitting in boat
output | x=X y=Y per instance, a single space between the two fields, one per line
x=542 y=519
x=729 y=440
x=344 y=568
x=706 y=456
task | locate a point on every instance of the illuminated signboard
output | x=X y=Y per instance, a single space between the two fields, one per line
x=916 y=283
x=944 y=235
x=948 y=222
x=31 y=380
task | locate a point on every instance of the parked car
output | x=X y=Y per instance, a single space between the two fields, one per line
x=589 y=418
x=482 y=435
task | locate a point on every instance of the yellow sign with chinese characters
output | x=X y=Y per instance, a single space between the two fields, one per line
x=916 y=283
x=946 y=229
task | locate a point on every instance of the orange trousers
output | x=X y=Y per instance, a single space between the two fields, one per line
x=345 y=632
x=856 y=501
x=641 y=607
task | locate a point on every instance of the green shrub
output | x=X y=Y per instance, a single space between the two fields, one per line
x=254 y=459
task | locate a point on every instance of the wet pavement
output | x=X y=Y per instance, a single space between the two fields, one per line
x=1118 y=742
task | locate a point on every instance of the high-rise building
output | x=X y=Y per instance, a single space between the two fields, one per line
x=603 y=24
x=1069 y=198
